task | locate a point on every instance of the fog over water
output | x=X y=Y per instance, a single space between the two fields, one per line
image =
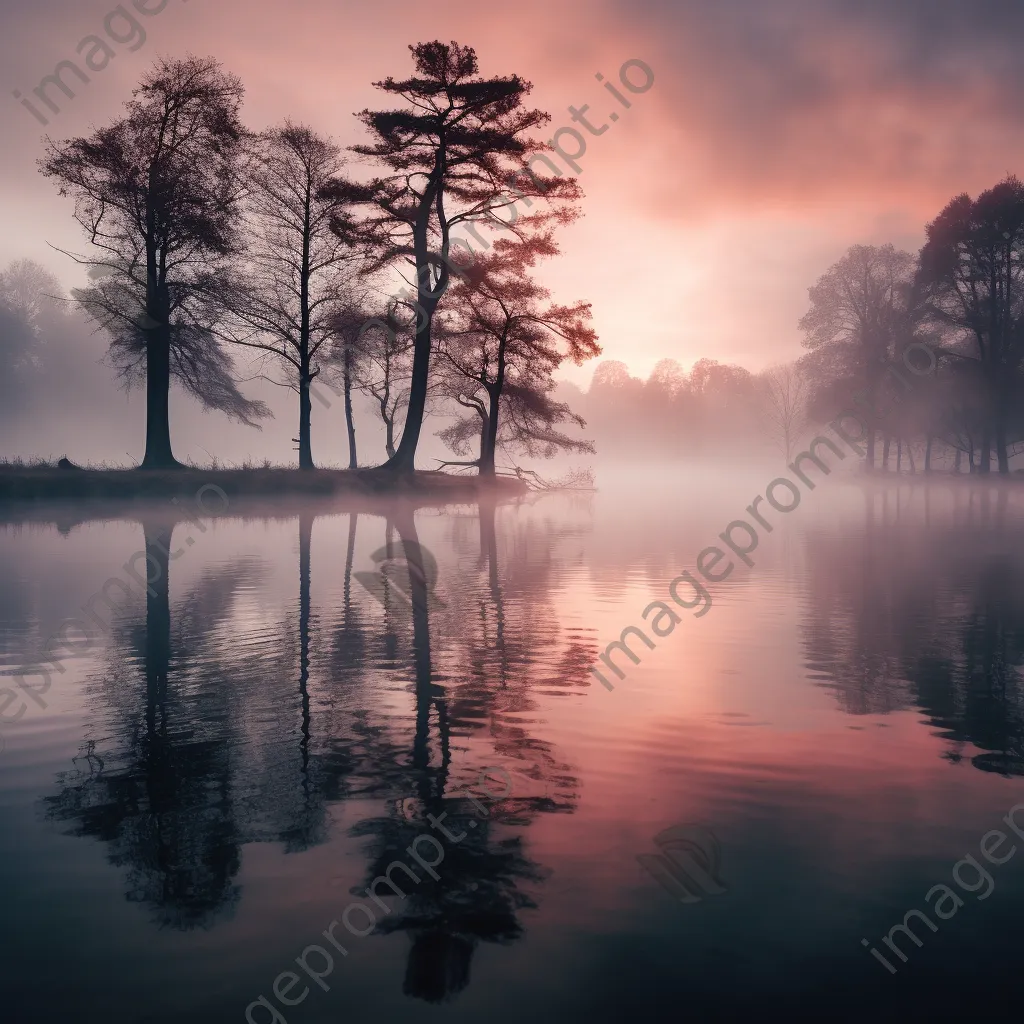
x=512 y=514
x=232 y=760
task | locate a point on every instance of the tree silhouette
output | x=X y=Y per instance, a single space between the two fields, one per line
x=502 y=342
x=158 y=194
x=453 y=151
x=973 y=268
x=286 y=291
x=863 y=313
x=784 y=390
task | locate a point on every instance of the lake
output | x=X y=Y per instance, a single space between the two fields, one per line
x=356 y=766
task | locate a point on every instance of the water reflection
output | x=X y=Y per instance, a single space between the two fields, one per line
x=209 y=730
x=261 y=736
x=159 y=792
x=932 y=619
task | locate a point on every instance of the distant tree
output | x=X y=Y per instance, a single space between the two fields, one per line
x=30 y=291
x=863 y=313
x=613 y=375
x=30 y=296
x=668 y=378
x=158 y=195
x=784 y=405
x=505 y=340
x=348 y=356
x=666 y=407
x=972 y=266
x=453 y=151
x=29 y=300
x=725 y=404
x=289 y=290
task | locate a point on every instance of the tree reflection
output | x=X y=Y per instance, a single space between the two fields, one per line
x=475 y=894
x=220 y=722
x=162 y=800
x=933 y=620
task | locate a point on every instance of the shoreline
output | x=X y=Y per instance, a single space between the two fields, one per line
x=27 y=491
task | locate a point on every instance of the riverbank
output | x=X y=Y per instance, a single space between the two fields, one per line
x=45 y=483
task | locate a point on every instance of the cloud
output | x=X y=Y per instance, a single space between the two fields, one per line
x=807 y=100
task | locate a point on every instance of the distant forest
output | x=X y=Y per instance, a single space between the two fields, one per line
x=218 y=256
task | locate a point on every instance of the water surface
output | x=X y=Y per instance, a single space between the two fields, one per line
x=224 y=764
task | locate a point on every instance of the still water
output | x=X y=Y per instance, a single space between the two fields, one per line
x=224 y=765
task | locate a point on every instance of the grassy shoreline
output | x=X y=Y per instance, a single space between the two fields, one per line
x=19 y=484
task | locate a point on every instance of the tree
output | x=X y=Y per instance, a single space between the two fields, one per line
x=348 y=356
x=668 y=379
x=386 y=370
x=972 y=266
x=505 y=340
x=454 y=151
x=29 y=296
x=157 y=194
x=784 y=405
x=725 y=403
x=862 y=316
x=285 y=295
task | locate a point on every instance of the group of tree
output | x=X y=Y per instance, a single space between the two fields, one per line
x=870 y=314
x=208 y=239
x=714 y=409
x=963 y=297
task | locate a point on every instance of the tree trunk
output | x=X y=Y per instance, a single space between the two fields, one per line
x=910 y=455
x=353 y=460
x=305 y=416
x=404 y=459
x=899 y=455
x=484 y=420
x=490 y=438
x=928 y=456
x=985 y=462
x=305 y=379
x=869 y=462
x=959 y=462
x=389 y=434
x=158 y=386
x=1001 y=411
x=885 y=454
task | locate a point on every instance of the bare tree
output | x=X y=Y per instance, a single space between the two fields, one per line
x=158 y=194
x=503 y=341
x=283 y=297
x=784 y=394
x=387 y=369
x=863 y=313
x=347 y=359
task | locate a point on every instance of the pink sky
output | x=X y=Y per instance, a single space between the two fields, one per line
x=775 y=135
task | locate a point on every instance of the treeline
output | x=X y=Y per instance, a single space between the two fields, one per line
x=962 y=296
x=715 y=409
x=208 y=241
